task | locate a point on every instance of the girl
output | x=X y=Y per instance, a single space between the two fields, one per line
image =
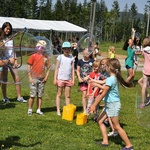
x=64 y=75
x=137 y=48
x=129 y=61
x=83 y=70
x=75 y=54
x=10 y=56
x=111 y=52
x=112 y=103
x=96 y=52
x=90 y=92
x=146 y=70
x=98 y=84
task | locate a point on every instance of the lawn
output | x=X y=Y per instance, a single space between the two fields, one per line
x=22 y=132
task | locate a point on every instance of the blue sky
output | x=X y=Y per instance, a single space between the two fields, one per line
x=139 y=3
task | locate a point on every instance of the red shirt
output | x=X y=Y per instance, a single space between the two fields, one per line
x=37 y=61
x=95 y=76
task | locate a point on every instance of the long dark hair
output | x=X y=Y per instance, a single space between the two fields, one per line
x=7 y=24
x=126 y=44
x=115 y=67
x=135 y=41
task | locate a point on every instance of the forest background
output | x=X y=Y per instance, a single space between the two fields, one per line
x=110 y=26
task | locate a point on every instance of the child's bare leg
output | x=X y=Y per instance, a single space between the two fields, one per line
x=67 y=94
x=84 y=100
x=102 y=127
x=39 y=103
x=90 y=102
x=144 y=86
x=30 y=102
x=58 y=96
x=121 y=132
x=111 y=125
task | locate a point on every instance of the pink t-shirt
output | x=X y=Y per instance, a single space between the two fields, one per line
x=146 y=54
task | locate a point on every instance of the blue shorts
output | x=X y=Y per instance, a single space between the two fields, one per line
x=128 y=67
x=1 y=68
x=112 y=109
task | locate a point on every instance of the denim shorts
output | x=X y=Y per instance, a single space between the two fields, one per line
x=112 y=109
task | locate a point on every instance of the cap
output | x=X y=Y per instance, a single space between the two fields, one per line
x=41 y=43
x=66 y=45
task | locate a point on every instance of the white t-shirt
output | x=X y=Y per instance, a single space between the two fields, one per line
x=65 y=68
x=9 y=50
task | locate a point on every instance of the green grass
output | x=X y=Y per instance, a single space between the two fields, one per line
x=22 y=132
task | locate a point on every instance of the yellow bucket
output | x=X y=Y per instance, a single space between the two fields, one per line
x=81 y=119
x=68 y=112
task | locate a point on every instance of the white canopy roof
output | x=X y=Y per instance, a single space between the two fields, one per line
x=41 y=25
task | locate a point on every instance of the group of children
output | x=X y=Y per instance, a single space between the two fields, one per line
x=134 y=48
x=98 y=80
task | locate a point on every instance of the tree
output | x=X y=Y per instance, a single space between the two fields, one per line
x=133 y=13
x=114 y=19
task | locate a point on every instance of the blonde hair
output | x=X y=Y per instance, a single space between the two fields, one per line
x=96 y=63
x=110 y=48
x=146 y=41
x=41 y=43
x=104 y=60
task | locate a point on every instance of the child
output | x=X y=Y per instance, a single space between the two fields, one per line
x=96 y=52
x=83 y=70
x=146 y=69
x=112 y=103
x=111 y=52
x=90 y=92
x=137 y=46
x=75 y=54
x=9 y=57
x=64 y=75
x=37 y=77
x=98 y=84
x=129 y=61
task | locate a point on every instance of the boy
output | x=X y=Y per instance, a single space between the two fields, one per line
x=37 y=78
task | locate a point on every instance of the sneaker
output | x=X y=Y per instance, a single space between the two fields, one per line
x=147 y=102
x=113 y=133
x=130 y=148
x=39 y=112
x=29 y=112
x=21 y=100
x=58 y=113
x=106 y=123
x=6 y=100
x=142 y=105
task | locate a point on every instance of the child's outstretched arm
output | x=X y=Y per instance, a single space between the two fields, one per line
x=56 y=72
x=98 y=81
x=78 y=74
x=99 y=98
x=73 y=81
x=48 y=65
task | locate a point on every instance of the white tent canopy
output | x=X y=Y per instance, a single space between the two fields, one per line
x=41 y=25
